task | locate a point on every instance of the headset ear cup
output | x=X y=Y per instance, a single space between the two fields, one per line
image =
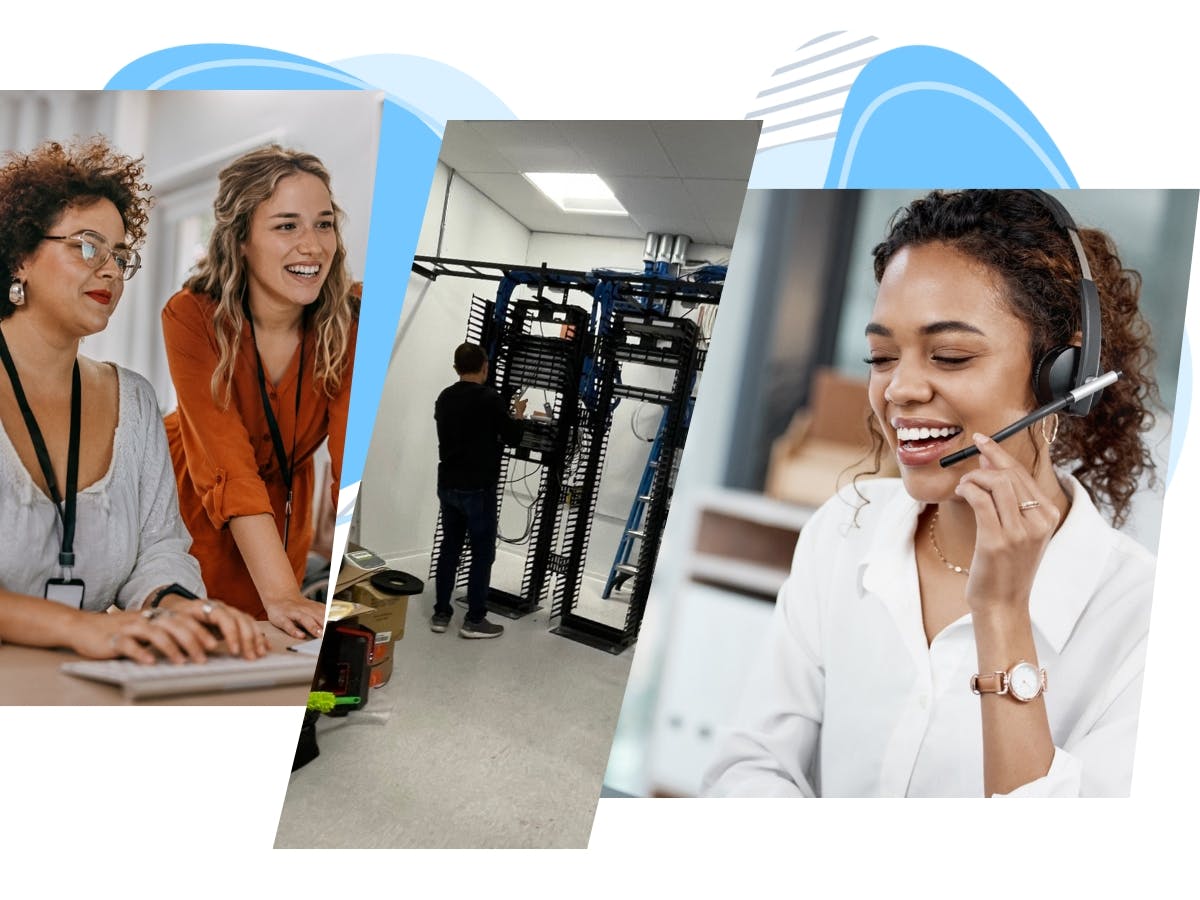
x=1054 y=375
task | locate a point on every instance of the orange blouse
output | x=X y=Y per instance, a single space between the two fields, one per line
x=224 y=460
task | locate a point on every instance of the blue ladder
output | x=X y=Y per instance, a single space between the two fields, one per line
x=622 y=569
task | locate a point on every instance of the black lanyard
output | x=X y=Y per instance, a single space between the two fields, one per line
x=66 y=511
x=287 y=466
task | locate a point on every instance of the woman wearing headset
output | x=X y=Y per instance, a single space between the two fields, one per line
x=978 y=629
x=95 y=557
x=260 y=343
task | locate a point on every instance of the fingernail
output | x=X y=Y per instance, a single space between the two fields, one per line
x=980 y=438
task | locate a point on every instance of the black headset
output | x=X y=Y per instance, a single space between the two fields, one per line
x=1065 y=368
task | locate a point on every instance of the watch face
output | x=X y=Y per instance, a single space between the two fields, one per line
x=1024 y=681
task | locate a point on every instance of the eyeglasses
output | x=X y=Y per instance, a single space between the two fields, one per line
x=96 y=251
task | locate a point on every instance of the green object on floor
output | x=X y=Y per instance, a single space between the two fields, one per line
x=324 y=701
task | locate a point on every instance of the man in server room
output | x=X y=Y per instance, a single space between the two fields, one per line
x=472 y=426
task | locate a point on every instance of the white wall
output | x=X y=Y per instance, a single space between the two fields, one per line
x=397 y=506
x=341 y=127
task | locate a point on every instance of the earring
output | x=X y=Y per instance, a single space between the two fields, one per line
x=16 y=293
x=1053 y=435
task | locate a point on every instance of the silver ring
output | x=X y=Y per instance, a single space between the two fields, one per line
x=151 y=614
x=207 y=608
x=1027 y=505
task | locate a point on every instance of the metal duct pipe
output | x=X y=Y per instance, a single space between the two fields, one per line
x=651 y=250
x=679 y=249
x=665 y=243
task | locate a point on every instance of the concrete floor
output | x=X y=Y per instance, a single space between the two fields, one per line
x=473 y=743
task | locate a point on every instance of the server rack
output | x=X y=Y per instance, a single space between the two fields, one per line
x=632 y=318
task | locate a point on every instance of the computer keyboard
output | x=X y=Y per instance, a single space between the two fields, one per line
x=164 y=679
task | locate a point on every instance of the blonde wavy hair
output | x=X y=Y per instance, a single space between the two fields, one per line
x=222 y=274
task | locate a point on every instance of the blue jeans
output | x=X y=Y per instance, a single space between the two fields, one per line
x=466 y=513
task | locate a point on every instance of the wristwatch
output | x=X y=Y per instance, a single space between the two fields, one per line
x=1023 y=682
x=178 y=589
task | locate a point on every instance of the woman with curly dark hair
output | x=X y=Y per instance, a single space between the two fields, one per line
x=88 y=499
x=260 y=343
x=977 y=629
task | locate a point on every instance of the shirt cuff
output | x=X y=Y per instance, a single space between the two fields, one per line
x=232 y=497
x=167 y=562
x=1063 y=780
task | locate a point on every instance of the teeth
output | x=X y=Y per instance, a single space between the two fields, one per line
x=924 y=434
x=304 y=270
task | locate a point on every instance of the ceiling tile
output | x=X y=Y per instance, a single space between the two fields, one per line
x=710 y=149
x=620 y=148
x=641 y=162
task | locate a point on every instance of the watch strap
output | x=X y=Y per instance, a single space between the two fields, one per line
x=173 y=588
x=998 y=683
x=992 y=683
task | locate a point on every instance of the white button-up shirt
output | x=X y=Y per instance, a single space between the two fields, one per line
x=848 y=698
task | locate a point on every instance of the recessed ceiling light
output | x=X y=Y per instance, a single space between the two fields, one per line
x=577 y=192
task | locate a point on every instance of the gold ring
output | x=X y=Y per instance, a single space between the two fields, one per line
x=1027 y=505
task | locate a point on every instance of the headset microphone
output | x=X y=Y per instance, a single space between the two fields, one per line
x=1067 y=379
x=1076 y=396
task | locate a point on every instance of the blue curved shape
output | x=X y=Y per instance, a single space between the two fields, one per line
x=925 y=117
x=801 y=164
x=408 y=150
x=217 y=67
x=432 y=89
x=1182 y=408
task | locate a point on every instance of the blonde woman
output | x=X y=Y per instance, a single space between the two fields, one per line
x=260 y=343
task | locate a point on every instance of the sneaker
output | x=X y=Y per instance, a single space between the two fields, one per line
x=484 y=629
x=439 y=623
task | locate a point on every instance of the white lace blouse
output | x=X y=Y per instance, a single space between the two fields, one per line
x=129 y=538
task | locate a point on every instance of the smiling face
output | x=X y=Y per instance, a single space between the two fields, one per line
x=61 y=290
x=291 y=243
x=948 y=358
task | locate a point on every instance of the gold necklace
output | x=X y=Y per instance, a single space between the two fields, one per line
x=961 y=570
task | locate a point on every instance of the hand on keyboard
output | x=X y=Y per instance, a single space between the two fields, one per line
x=239 y=631
x=178 y=631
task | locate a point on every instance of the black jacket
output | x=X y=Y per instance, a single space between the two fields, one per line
x=472 y=425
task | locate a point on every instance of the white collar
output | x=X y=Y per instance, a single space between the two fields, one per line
x=1066 y=579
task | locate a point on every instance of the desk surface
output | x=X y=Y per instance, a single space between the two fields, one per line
x=33 y=677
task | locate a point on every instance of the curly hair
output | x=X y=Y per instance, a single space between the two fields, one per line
x=38 y=187
x=1014 y=234
x=222 y=275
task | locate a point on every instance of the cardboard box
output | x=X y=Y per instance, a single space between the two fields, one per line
x=825 y=445
x=386 y=613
